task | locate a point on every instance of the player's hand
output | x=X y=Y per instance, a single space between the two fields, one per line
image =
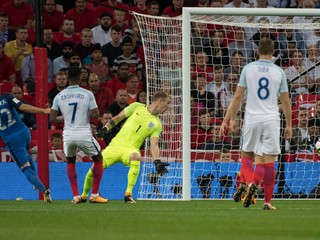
x=222 y=129
x=288 y=133
x=46 y=110
x=102 y=132
x=161 y=166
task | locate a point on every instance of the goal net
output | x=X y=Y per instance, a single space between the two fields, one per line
x=197 y=58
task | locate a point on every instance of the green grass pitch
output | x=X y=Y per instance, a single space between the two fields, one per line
x=166 y=220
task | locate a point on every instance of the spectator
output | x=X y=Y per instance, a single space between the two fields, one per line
x=102 y=32
x=201 y=66
x=216 y=50
x=132 y=88
x=203 y=3
x=98 y=66
x=113 y=49
x=56 y=142
x=103 y=95
x=311 y=59
x=75 y=60
x=120 y=103
x=236 y=63
x=20 y=14
x=290 y=35
x=54 y=49
x=84 y=78
x=64 y=60
x=134 y=62
x=7 y=70
x=18 y=49
x=174 y=10
x=241 y=44
x=265 y=33
x=217 y=85
x=140 y=7
x=300 y=132
x=119 y=82
x=203 y=131
x=216 y=142
x=52 y=18
x=28 y=68
x=5 y=34
x=29 y=119
x=303 y=83
x=153 y=8
x=199 y=36
x=225 y=96
x=236 y=4
x=201 y=95
x=142 y=96
x=109 y=6
x=67 y=33
x=60 y=80
x=82 y=16
x=109 y=135
x=118 y=17
x=85 y=48
x=225 y=155
x=87 y=63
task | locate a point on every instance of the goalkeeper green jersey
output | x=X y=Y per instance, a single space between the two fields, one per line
x=139 y=125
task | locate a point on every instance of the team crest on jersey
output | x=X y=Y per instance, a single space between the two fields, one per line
x=151 y=125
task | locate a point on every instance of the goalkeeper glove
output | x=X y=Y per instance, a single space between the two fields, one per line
x=161 y=166
x=102 y=132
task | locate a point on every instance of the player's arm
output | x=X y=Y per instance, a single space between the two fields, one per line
x=54 y=118
x=286 y=108
x=155 y=153
x=115 y=120
x=233 y=109
x=95 y=113
x=31 y=109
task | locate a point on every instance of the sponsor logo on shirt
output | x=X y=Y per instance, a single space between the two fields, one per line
x=151 y=125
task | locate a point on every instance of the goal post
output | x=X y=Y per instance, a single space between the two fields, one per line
x=171 y=49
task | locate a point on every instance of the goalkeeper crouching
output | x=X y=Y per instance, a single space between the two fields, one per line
x=142 y=122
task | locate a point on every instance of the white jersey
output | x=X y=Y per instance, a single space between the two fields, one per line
x=75 y=104
x=264 y=81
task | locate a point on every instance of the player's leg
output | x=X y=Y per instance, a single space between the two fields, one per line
x=250 y=147
x=268 y=181
x=133 y=174
x=18 y=151
x=92 y=149
x=110 y=156
x=271 y=150
x=70 y=150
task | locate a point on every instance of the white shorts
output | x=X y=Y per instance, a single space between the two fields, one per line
x=90 y=147
x=262 y=138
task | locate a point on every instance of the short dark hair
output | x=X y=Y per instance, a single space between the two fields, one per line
x=266 y=46
x=55 y=135
x=74 y=73
x=116 y=28
x=4 y=15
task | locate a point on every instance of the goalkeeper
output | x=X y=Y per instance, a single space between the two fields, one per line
x=142 y=122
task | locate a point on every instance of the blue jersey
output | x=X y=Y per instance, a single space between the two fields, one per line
x=10 y=120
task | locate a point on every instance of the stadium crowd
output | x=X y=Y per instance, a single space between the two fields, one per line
x=104 y=41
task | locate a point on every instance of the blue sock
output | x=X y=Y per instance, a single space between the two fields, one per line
x=33 y=178
x=32 y=165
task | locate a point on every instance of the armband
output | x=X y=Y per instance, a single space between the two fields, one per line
x=112 y=123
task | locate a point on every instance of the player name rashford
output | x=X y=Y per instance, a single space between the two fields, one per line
x=72 y=95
